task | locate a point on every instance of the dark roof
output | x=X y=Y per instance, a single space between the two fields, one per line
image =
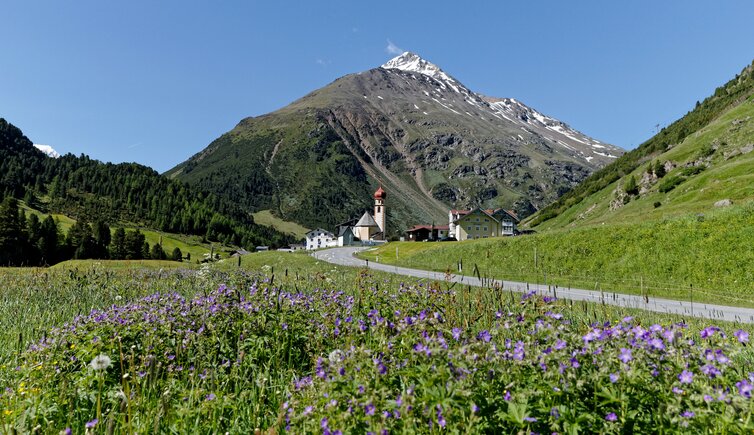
x=366 y=221
x=489 y=212
x=427 y=227
x=344 y=230
x=349 y=223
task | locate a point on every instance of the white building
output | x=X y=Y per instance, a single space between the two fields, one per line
x=319 y=238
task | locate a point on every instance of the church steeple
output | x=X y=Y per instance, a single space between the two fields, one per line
x=379 y=210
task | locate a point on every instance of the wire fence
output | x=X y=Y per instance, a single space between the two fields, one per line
x=636 y=285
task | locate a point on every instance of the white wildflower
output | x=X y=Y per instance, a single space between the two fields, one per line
x=336 y=356
x=101 y=362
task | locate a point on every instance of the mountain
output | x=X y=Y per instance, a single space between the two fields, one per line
x=407 y=125
x=700 y=162
x=89 y=190
x=50 y=151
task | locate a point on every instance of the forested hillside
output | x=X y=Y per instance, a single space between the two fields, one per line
x=90 y=191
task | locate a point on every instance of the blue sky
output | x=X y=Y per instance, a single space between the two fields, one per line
x=156 y=81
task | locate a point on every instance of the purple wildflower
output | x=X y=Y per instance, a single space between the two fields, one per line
x=91 y=424
x=744 y=388
x=381 y=368
x=711 y=371
x=440 y=418
x=625 y=355
x=484 y=336
x=686 y=377
x=688 y=414
x=611 y=417
x=614 y=377
x=656 y=343
x=456 y=333
x=210 y=396
x=369 y=409
x=742 y=336
x=708 y=331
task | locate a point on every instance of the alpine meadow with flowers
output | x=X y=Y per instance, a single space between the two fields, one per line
x=286 y=344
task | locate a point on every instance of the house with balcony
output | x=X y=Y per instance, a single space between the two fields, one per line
x=481 y=224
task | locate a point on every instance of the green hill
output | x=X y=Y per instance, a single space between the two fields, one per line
x=79 y=189
x=706 y=156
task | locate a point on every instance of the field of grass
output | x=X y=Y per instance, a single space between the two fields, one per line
x=187 y=244
x=288 y=342
x=265 y=217
x=710 y=256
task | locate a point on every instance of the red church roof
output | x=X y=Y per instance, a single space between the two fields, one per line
x=379 y=194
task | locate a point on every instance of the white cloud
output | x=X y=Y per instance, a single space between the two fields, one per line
x=323 y=62
x=392 y=48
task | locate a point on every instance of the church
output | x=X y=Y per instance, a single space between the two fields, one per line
x=369 y=228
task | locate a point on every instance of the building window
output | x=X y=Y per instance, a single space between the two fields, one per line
x=485 y=228
x=477 y=227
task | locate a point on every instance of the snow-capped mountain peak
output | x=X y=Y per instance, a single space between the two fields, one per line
x=50 y=151
x=412 y=62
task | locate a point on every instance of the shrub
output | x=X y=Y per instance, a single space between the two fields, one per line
x=657 y=204
x=706 y=151
x=631 y=187
x=670 y=183
x=659 y=169
x=692 y=170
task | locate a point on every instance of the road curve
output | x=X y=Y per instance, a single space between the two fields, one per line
x=345 y=257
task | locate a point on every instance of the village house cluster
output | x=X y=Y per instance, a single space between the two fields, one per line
x=371 y=228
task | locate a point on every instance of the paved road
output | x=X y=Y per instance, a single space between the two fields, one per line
x=344 y=257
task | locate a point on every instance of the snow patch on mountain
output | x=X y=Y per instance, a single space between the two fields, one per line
x=50 y=151
x=450 y=94
x=413 y=63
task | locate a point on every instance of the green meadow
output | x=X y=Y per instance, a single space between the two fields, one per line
x=705 y=257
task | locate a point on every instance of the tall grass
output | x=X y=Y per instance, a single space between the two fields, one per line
x=229 y=348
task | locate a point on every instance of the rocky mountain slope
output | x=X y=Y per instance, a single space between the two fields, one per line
x=700 y=163
x=408 y=125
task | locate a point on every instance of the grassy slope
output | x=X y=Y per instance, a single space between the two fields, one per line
x=731 y=178
x=666 y=256
x=265 y=217
x=725 y=98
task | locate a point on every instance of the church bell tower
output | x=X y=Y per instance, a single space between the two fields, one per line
x=379 y=210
